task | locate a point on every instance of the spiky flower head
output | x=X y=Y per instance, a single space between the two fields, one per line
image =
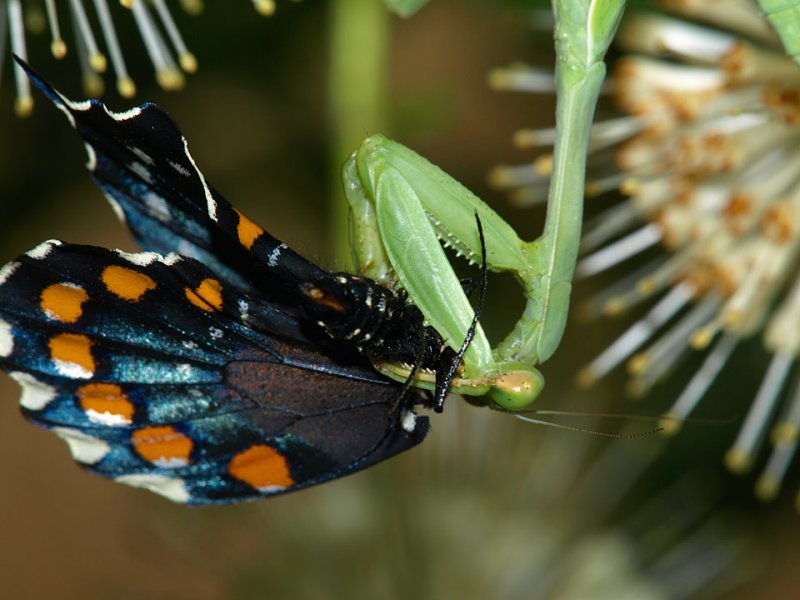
x=706 y=147
x=95 y=41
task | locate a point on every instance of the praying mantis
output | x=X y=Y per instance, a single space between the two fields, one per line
x=784 y=16
x=403 y=208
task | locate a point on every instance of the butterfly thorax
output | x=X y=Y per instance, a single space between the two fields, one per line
x=378 y=321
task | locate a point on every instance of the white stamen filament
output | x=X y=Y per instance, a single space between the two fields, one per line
x=24 y=102
x=97 y=61
x=651 y=365
x=125 y=85
x=522 y=78
x=187 y=60
x=699 y=384
x=92 y=82
x=167 y=73
x=657 y=34
x=621 y=294
x=619 y=251
x=607 y=225
x=740 y=456
x=742 y=16
x=637 y=334
x=57 y=46
x=785 y=440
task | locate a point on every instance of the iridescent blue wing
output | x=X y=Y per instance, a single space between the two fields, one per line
x=141 y=161
x=159 y=374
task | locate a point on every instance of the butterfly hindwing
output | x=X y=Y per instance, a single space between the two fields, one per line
x=158 y=374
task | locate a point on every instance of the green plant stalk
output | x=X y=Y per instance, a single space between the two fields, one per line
x=358 y=51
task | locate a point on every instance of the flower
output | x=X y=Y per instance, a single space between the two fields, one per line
x=162 y=40
x=707 y=151
x=554 y=518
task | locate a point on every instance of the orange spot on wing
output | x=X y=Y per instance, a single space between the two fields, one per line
x=63 y=302
x=207 y=296
x=74 y=353
x=106 y=399
x=319 y=296
x=165 y=446
x=247 y=231
x=126 y=283
x=261 y=467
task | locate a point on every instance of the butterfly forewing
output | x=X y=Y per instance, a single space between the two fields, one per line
x=141 y=161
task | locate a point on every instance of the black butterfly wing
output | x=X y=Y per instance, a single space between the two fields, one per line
x=141 y=161
x=159 y=374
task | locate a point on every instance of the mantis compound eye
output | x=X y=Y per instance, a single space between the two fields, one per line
x=516 y=389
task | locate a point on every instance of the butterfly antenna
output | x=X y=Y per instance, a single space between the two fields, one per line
x=443 y=384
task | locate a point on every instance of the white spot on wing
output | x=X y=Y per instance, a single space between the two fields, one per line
x=108 y=419
x=91 y=157
x=187 y=248
x=131 y=113
x=70 y=104
x=158 y=206
x=275 y=255
x=35 y=394
x=170 y=463
x=173 y=488
x=142 y=171
x=211 y=204
x=6 y=339
x=144 y=259
x=244 y=310
x=179 y=168
x=142 y=155
x=409 y=421
x=73 y=370
x=215 y=332
x=271 y=489
x=184 y=371
x=7 y=271
x=141 y=259
x=170 y=259
x=84 y=448
x=116 y=207
x=42 y=250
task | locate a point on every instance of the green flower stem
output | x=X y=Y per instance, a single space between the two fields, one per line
x=359 y=42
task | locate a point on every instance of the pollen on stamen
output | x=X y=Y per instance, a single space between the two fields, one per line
x=96 y=44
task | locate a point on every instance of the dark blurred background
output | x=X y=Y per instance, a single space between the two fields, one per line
x=483 y=507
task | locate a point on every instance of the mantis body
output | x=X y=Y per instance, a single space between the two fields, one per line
x=403 y=208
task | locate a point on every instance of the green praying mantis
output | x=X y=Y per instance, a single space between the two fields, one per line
x=784 y=16
x=403 y=208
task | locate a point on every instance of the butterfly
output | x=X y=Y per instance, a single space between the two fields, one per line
x=217 y=365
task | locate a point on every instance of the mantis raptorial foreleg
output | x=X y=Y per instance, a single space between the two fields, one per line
x=402 y=207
